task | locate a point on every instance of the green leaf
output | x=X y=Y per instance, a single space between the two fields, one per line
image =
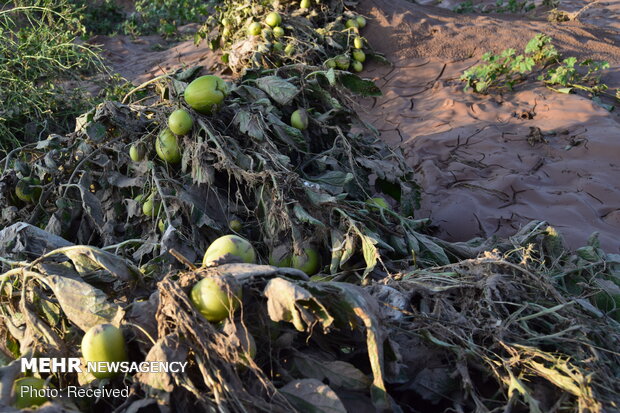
x=304 y=216
x=280 y=90
x=337 y=243
x=371 y=254
x=331 y=76
x=333 y=181
x=286 y=133
x=358 y=85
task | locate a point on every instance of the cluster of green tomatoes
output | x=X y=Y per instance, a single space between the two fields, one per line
x=356 y=56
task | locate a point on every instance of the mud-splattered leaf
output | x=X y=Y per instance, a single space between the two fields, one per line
x=333 y=181
x=122 y=181
x=337 y=242
x=304 y=216
x=168 y=349
x=339 y=373
x=287 y=133
x=358 y=85
x=279 y=89
x=84 y=305
x=90 y=203
x=364 y=307
x=433 y=251
x=290 y=302
x=348 y=249
x=312 y=396
x=249 y=124
x=95 y=131
x=94 y=264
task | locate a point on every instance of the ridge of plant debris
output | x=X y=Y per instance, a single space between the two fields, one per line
x=313 y=35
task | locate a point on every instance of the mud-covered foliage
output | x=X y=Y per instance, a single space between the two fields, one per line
x=314 y=33
x=288 y=187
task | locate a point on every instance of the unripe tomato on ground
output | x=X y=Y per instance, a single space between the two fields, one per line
x=273 y=19
x=205 y=93
x=180 y=122
x=299 y=119
x=104 y=342
x=137 y=152
x=215 y=297
x=255 y=29
x=309 y=261
x=227 y=249
x=167 y=147
x=278 y=32
x=28 y=190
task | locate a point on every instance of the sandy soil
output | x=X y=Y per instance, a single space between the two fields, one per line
x=487 y=164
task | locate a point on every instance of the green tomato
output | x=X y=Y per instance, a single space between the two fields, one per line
x=226 y=22
x=280 y=256
x=359 y=55
x=361 y=22
x=273 y=19
x=28 y=399
x=167 y=147
x=150 y=208
x=235 y=225
x=330 y=63
x=104 y=342
x=289 y=49
x=205 y=93
x=299 y=119
x=357 y=66
x=180 y=122
x=342 y=62
x=278 y=32
x=277 y=47
x=305 y=4
x=308 y=261
x=137 y=152
x=358 y=42
x=352 y=24
x=161 y=225
x=215 y=298
x=227 y=249
x=28 y=190
x=255 y=29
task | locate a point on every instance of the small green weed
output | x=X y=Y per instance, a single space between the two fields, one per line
x=165 y=16
x=100 y=17
x=509 y=68
x=37 y=53
x=512 y=6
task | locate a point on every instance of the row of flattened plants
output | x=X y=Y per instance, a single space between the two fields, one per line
x=261 y=235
